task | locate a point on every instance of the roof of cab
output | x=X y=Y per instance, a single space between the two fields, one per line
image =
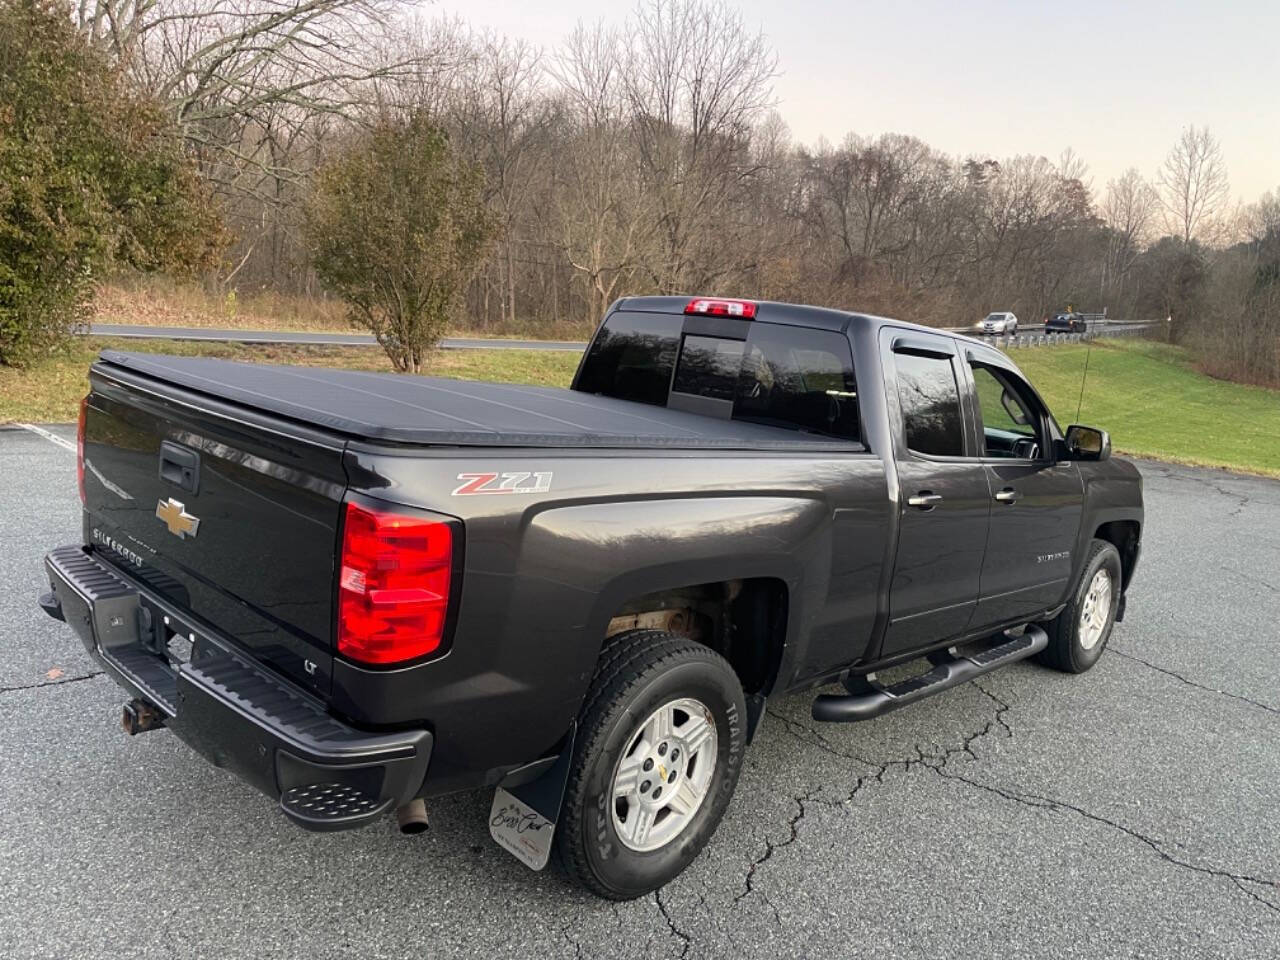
x=793 y=314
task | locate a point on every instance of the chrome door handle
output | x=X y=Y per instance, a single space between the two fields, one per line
x=925 y=500
x=1008 y=495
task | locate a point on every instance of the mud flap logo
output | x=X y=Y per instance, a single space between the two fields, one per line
x=517 y=481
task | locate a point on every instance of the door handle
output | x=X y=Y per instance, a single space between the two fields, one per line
x=925 y=500
x=1008 y=495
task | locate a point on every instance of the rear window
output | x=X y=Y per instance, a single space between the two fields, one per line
x=798 y=378
x=632 y=357
x=709 y=367
x=780 y=376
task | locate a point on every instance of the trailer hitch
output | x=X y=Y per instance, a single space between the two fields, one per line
x=139 y=716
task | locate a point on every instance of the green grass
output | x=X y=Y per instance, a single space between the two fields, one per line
x=1154 y=403
x=50 y=392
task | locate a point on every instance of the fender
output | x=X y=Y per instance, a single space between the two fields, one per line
x=1108 y=496
x=714 y=539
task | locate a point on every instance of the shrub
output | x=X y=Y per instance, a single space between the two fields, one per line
x=397 y=226
x=91 y=177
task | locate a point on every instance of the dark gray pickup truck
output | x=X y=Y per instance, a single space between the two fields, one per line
x=359 y=590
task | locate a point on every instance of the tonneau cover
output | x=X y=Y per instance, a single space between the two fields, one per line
x=428 y=410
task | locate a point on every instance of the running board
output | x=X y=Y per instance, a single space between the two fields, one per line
x=867 y=698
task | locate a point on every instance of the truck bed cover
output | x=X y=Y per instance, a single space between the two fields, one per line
x=427 y=410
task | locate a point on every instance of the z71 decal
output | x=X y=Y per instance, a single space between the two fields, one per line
x=516 y=482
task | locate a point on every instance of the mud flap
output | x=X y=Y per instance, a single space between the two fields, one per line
x=523 y=818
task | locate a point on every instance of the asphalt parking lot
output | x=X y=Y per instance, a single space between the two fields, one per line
x=1128 y=812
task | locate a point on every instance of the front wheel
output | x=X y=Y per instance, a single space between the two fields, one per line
x=659 y=749
x=1079 y=633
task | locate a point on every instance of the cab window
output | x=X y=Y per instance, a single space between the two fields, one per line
x=1010 y=421
x=930 y=401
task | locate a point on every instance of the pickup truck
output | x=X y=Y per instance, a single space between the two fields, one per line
x=358 y=591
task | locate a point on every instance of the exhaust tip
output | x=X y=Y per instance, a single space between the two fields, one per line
x=412 y=817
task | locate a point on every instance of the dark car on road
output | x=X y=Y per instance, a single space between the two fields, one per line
x=1066 y=323
x=358 y=590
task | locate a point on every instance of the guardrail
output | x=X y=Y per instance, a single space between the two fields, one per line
x=1041 y=339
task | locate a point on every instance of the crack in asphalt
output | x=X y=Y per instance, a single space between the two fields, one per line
x=1248 y=576
x=812 y=737
x=938 y=764
x=687 y=941
x=1243 y=500
x=1199 y=686
x=61 y=681
x=576 y=944
x=1051 y=803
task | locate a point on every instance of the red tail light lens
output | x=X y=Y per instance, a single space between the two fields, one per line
x=393 y=585
x=712 y=307
x=84 y=406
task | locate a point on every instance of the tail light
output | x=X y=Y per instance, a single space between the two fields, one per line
x=84 y=406
x=710 y=306
x=393 y=585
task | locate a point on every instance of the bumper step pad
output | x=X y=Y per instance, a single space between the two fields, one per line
x=868 y=698
x=331 y=806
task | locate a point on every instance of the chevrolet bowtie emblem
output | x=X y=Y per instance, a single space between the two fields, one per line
x=180 y=523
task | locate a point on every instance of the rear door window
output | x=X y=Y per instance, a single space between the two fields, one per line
x=930 y=400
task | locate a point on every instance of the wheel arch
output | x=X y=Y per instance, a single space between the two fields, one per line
x=1125 y=535
x=744 y=619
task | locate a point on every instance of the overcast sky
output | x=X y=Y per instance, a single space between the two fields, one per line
x=1116 y=81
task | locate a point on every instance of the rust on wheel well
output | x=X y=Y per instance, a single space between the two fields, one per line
x=744 y=620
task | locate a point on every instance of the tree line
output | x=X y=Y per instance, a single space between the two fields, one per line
x=647 y=155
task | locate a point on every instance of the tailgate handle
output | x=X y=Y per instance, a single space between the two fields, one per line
x=180 y=466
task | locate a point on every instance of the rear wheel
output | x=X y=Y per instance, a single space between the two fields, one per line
x=1079 y=633
x=659 y=749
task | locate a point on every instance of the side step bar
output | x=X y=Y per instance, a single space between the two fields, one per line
x=867 y=698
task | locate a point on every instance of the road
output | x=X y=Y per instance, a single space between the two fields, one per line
x=1026 y=337
x=142 y=331
x=1129 y=812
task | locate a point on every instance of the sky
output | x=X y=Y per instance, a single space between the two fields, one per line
x=1117 y=81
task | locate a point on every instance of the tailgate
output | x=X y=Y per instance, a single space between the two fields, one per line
x=229 y=515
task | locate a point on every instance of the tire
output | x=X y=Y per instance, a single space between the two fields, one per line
x=642 y=675
x=1078 y=635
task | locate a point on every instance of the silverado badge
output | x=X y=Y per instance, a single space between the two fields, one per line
x=180 y=523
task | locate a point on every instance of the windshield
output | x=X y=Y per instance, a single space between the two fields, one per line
x=995 y=316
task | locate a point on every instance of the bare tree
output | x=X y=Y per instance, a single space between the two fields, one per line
x=601 y=208
x=502 y=116
x=1194 y=187
x=1129 y=209
x=696 y=82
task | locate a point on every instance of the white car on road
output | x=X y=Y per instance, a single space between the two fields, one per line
x=1000 y=322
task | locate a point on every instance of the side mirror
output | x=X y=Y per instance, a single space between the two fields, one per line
x=1087 y=443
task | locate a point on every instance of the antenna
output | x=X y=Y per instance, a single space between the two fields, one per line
x=1084 y=377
